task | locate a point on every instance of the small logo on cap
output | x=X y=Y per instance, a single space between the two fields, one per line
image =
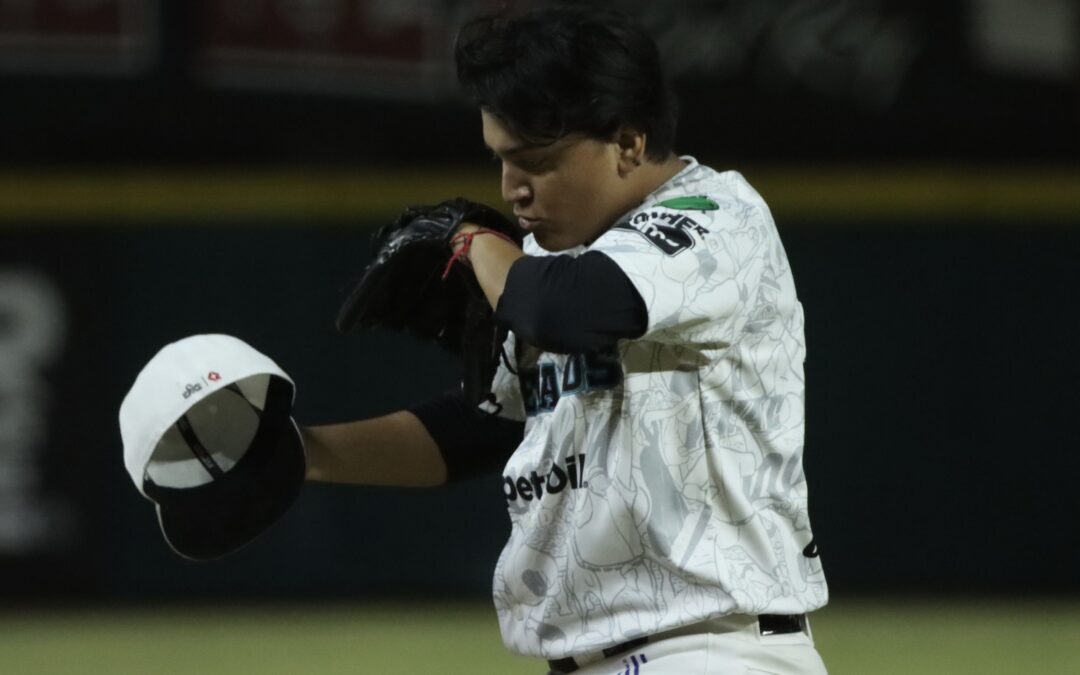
x=213 y=376
x=191 y=389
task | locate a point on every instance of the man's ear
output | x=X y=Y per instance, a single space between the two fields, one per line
x=631 y=147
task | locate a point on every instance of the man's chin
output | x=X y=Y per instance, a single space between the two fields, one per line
x=553 y=243
x=544 y=240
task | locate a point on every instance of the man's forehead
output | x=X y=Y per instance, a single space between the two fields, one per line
x=502 y=140
x=499 y=137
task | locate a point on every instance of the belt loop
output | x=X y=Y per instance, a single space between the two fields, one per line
x=781 y=624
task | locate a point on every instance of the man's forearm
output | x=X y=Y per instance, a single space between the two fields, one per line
x=491 y=258
x=395 y=449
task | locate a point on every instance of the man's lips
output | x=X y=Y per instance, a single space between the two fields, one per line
x=528 y=223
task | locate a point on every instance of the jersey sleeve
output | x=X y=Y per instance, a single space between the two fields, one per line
x=696 y=271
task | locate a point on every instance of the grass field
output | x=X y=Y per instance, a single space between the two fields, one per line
x=856 y=637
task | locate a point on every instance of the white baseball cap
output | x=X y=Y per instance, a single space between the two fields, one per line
x=209 y=438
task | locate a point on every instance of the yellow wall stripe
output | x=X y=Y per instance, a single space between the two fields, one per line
x=914 y=194
x=831 y=194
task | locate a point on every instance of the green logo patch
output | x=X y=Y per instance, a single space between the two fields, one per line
x=690 y=204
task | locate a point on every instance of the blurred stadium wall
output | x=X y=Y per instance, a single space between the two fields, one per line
x=170 y=168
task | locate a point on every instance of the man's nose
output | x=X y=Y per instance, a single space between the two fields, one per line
x=515 y=189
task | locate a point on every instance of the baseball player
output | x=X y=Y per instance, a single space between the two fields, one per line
x=647 y=410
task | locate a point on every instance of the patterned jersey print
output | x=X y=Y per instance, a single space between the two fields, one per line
x=660 y=483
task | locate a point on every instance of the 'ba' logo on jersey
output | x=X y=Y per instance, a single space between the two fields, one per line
x=669 y=231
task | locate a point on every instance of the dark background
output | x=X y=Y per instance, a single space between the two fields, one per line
x=942 y=371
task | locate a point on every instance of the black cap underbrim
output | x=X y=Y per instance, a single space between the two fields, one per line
x=215 y=519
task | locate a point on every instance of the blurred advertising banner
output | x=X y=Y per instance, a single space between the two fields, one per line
x=78 y=36
x=1040 y=40
x=813 y=80
x=33 y=336
x=372 y=47
x=54 y=316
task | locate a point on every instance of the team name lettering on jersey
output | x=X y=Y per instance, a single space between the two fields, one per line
x=535 y=486
x=542 y=386
x=667 y=230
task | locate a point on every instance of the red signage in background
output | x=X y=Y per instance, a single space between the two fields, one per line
x=367 y=47
x=112 y=36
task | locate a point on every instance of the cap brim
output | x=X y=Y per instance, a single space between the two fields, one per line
x=216 y=519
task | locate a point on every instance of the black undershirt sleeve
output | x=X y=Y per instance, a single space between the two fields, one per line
x=570 y=305
x=559 y=303
x=472 y=442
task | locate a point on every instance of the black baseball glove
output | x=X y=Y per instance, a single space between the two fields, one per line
x=405 y=289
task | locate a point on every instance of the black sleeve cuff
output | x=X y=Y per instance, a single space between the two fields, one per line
x=472 y=442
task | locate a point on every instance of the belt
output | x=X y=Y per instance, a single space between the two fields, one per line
x=768 y=624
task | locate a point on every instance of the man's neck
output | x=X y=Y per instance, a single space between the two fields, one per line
x=653 y=175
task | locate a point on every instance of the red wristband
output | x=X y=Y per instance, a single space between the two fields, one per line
x=466 y=239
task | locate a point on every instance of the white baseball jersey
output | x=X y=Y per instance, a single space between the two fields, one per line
x=660 y=484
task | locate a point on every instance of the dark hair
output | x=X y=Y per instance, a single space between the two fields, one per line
x=556 y=71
